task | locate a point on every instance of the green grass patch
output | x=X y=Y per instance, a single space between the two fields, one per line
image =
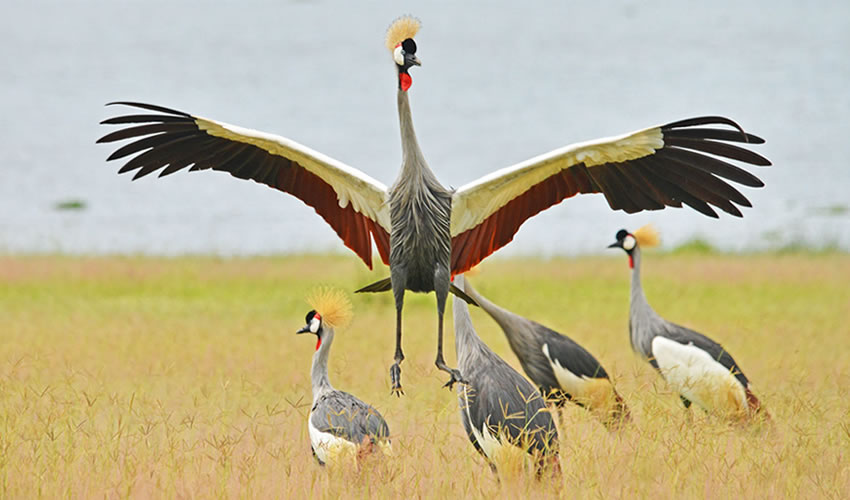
x=696 y=246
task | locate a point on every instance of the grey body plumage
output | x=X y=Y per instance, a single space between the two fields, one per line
x=420 y=241
x=497 y=402
x=541 y=351
x=347 y=417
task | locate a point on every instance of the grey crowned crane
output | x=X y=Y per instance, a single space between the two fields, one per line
x=341 y=426
x=424 y=231
x=695 y=366
x=561 y=368
x=500 y=410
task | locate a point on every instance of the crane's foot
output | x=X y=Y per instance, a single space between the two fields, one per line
x=395 y=378
x=455 y=379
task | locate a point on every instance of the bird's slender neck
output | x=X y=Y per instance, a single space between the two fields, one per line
x=641 y=315
x=518 y=337
x=319 y=369
x=413 y=162
x=466 y=338
x=638 y=297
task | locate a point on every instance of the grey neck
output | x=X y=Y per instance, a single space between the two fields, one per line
x=515 y=327
x=638 y=297
x=641 y=315
x=319 y=370
x=413 y=162
x=466 y=339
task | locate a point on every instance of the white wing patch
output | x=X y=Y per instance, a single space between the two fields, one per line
x=698 y=377
x=329 y=448
x=472 y=203
x=596 y=393
x=487 y=441
x=568 y=380
x=366 y=195
x=504 y=455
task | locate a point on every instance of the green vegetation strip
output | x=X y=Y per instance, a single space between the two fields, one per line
x=148 y=377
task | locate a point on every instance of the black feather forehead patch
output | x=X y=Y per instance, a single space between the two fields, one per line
x=409 y=46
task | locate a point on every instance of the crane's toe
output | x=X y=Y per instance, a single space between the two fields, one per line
x=456 y=377
x=395 y=378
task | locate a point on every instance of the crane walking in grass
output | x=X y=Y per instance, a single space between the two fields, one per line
x=561 y=368
x=698 y=368
x=427 y=232
x=500 y=410
x=340 y=425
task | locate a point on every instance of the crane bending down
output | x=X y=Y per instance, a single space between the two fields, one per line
x=499 y=408
x=426 y=232
x=561 y=368
x=698 y=368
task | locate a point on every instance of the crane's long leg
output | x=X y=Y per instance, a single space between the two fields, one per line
x=442 y=294
x=395 y=369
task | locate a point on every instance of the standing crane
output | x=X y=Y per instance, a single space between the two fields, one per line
x=561 y=368
x=424 y=231
x=340 y=425
x=499 y=408
x=698 y=368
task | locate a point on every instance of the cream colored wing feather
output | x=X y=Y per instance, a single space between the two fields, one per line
x=366 y=195
x=354 y=204
x=477 y=200
x=649 y=169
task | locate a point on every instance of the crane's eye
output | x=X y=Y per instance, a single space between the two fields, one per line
x=629 y=242
x=398 y=55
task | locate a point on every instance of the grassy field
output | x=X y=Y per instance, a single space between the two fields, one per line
x=140 y=377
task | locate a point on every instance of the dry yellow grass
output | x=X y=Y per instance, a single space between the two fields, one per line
x=142 y=377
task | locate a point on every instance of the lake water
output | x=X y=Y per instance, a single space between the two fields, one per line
x=499 y=83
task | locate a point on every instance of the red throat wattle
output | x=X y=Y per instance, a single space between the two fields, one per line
x=404 y=81
x=631 y=266
x=318 y=342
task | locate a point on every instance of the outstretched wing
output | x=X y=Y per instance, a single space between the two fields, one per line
x=354 y=204
x=670 y=165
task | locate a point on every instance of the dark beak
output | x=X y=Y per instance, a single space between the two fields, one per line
x=304 y=329
x=616 y=244
x=412 y=59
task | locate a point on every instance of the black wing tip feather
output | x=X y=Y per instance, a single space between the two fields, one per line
x=704 y=120
x=714 y=120
x=149 y=107
x=754 y=139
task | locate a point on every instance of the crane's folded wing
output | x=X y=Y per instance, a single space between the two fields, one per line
x=354 y=204
x=344 y=415
x=650 y=169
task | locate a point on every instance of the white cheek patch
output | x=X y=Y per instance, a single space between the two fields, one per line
x=314 y=325
x=629 y=242
x=398 y=55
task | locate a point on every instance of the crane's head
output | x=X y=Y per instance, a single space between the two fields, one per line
x=400 y=42
x=314 y=326
x=646 y=237
x=335 y=312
